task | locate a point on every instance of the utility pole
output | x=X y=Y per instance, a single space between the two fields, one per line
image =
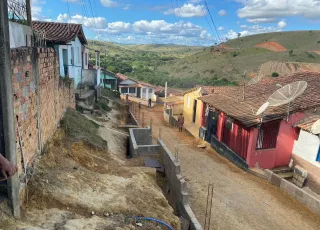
x=7 y=132
x=28 y=9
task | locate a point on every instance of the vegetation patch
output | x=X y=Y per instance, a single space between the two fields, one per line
x=78 y=127
x=102 y=104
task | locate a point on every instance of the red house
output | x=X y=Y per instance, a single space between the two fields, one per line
x=234 y=130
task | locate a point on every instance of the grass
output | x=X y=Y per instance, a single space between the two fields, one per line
x=184 y=66
x=103 y=104
x=78 y=127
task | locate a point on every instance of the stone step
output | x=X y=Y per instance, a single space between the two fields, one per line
x=286 y=175
x=282 y=169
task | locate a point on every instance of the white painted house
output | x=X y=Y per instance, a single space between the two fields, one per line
x=70 y=42
x=137 y=89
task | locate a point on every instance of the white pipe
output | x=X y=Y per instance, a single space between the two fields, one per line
x=166 y=90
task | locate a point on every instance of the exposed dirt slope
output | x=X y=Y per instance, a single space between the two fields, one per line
x=285 y=68
x=73 y=180
x=273 y=46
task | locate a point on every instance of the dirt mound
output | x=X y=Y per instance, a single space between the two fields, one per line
x=316 y=51
x=273 y=46
x=286 y=68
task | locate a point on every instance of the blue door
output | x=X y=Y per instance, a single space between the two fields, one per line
x=318 y=157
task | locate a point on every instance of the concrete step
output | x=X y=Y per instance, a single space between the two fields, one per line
x=286 y=175
x=282 y=169
x=258 y=172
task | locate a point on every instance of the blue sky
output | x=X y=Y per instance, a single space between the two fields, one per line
x=179 y=21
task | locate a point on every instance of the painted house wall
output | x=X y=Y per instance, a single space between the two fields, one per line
x=307 y=147
x=149 y=93
x=74 y=69
x=188 y=109
x=276 y=157
x=266 y=158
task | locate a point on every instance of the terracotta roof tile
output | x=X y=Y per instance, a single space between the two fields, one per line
x=233 y=105
x=60 y=33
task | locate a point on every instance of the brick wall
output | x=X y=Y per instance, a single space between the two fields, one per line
x=40 y=98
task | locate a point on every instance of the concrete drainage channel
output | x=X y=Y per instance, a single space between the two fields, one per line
x=140 y=144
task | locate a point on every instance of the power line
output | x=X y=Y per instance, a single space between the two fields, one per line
x=94 y=19
x=218 y=36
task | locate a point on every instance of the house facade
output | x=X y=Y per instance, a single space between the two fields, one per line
x=69 y=41
x=137 y=89
x=108 y=80
x=236 y=132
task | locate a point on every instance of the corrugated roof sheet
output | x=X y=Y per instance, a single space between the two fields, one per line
x=60 y=33
x=207 y=90
x=255 y=95
x=307 y=123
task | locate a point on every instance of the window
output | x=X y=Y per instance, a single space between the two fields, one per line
x=86 y=59
x=268 y=135
x=72 y=55
x=124 y=90
x=144 y=90
x=101 y=80
x=188 y=102
x=132 y=90
x=79 y=55
x=150 y=90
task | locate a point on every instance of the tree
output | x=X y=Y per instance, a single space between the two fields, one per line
x=291 y=52
x=275 y=74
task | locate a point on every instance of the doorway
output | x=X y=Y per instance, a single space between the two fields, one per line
x=65 y=61
x=194 y=111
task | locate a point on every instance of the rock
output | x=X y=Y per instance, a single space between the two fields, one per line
x=139 y=224
x=92 y=213
x=106 y=214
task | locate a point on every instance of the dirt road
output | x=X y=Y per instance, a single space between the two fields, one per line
x=240 y=200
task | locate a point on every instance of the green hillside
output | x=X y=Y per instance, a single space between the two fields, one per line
x=184 y=66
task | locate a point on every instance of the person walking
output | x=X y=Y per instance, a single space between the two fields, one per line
x=180 y=122
x=127 y=98
x=149 y=102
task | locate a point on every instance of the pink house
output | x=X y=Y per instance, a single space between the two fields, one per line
x=236 y=132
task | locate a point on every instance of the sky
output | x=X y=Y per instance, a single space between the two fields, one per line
x=184 y=22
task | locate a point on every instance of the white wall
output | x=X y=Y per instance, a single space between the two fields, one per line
x=75 y=68
x=86 y=52
x=148 y=94
x=18 y=34
x=307 y=147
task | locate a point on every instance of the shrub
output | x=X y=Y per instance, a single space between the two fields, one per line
x=275 y=74
x=291 y=52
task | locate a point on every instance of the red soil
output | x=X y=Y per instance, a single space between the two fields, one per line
x=273 y=46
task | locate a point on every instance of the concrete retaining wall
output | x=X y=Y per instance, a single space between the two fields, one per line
x=178 y=186
x=140 y=142
x=301 y=195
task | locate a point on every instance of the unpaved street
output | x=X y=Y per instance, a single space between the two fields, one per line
x=240 y=200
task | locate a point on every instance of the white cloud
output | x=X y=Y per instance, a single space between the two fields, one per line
x=220 y=28
x=97 y=22
x=261 y=11
x=188 y=11
x=250 y=30
x=117 y=28
x=282 y=24
x=109 y=3
x=222 y=12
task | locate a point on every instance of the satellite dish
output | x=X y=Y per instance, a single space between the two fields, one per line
x=262 y=108
x=315 y=128
x=287 y=93
x=255 y=80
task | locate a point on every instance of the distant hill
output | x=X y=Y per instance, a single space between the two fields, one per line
x=184 y=66
x=249 y=54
